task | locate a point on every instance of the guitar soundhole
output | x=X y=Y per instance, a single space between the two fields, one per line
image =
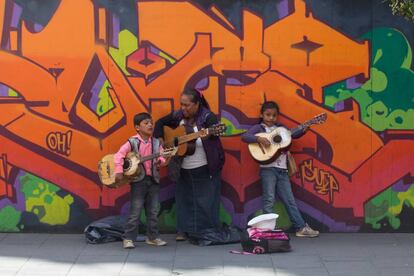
x=127 y=164
x=277 y=139
x=175 y=142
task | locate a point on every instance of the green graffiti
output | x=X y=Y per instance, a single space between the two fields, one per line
x=105 y=102
x=231 y=128
x=225 y=216
x=13 y=93
x=388 y=205
x=167 y=218
x=128 y=43
x=42 y=200
x=386 y=100
x=283 y=220
x=6 y=91
x=9 y=219
x=167 y=57
x=377 y=83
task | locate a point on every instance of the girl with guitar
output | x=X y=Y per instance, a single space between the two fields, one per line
x=274 y=174
x=197 y=175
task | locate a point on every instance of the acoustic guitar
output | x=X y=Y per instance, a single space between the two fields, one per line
x=279 y=138
x=133 y=166
x=184 y=137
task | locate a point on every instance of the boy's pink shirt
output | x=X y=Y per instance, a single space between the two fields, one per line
x=145 y=148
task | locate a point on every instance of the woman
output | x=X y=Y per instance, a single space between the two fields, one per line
x=198 y=184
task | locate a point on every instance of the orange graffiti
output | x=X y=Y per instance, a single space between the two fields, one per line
x=3 y=175
x=49 y=129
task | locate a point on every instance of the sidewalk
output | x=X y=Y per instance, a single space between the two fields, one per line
x=330 y=254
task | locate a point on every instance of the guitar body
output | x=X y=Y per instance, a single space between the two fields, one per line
x=106 y=170
x=171 y=139
x=279 y=138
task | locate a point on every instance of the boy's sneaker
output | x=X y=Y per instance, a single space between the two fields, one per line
x=128 y=244
x=307 y=232
x=156 y=242
x=180 y=237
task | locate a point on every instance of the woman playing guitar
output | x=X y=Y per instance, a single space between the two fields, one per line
x=198 y=175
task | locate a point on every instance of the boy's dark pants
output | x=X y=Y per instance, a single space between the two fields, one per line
x=143 y=194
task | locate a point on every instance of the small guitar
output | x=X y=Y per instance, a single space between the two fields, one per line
x=133 y=166
x=184 y=137
x=279 y=138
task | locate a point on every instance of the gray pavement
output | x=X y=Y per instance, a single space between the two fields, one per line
x=330 y=254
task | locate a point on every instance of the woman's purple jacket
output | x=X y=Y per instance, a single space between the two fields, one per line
x=203 y=119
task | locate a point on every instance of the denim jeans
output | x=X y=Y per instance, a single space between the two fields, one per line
x=197 y=200
x=144 y=193
x=276 y=180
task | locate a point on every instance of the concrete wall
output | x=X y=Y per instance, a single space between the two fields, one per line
x=74 y=72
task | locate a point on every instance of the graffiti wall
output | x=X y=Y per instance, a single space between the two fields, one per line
x=73 y=73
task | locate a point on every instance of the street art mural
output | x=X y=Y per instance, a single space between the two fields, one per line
x=74 y=72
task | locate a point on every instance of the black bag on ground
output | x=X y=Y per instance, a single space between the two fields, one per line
x=107 y=229
x=278 y=241
x=215 y=236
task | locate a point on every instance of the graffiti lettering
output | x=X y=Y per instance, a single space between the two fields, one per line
x=59 y=142
x=324 y=182
x=77 y=100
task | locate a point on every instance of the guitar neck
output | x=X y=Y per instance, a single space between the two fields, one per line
x=189 y=137
x=302 y=126
x=150 y=157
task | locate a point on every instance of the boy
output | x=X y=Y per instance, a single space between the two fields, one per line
x=145 y=187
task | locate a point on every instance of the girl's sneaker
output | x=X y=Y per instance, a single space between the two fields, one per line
x=128 y=244
x=156 y=242
x=307 y=232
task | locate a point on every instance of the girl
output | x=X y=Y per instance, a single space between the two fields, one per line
x=274 y=176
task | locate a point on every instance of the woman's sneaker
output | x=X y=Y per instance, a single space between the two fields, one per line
x=307 y=232
x=128 y=244
x=156 y=242
x=180 y=237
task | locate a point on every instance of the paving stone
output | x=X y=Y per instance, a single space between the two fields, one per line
x=330 y=254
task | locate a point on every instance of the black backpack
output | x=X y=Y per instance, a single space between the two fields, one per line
x=263 y=245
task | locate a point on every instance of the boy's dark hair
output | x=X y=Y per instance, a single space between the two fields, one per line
x=138 y=118
x=269 y=105
x=196 y=97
